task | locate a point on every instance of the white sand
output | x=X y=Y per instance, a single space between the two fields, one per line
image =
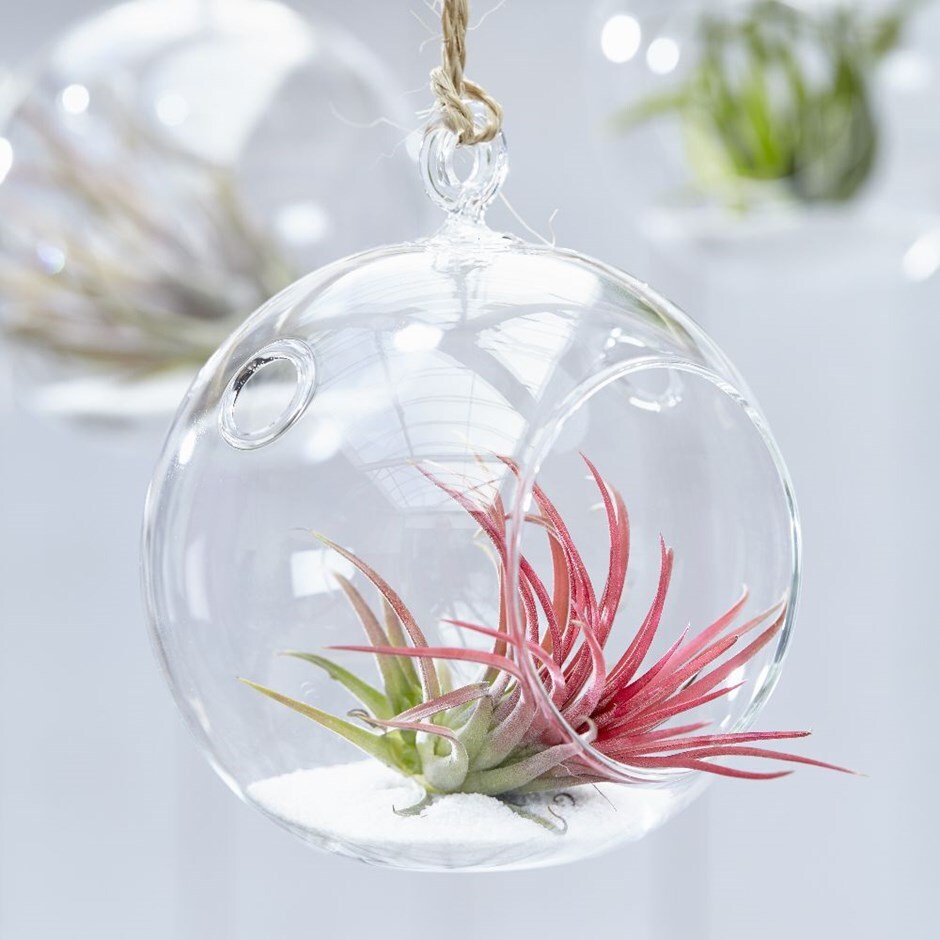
x=349 y=809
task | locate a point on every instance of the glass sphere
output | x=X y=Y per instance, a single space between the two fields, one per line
x=721 y=116
x=421 y=448
x=165 y=167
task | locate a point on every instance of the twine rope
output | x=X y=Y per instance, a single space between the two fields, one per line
x=453 y=90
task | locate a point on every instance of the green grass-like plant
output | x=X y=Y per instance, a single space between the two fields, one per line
x=780 y=94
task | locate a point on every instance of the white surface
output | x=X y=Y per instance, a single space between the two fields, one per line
x=846 y=373
x=354 y=805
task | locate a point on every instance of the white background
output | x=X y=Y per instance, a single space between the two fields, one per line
x=112 y=826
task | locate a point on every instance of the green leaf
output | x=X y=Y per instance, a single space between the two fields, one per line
x=411 y=692
x=513 y=776
x=444 y=761
x=473 y=734
x=559 y=828
x=752 y=109
x=374 y=745
x=648 y=108
x=416 y=809
x=393 y=678
x=377 y=703
x=430 y=684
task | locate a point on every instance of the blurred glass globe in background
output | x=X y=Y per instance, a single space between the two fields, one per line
x=737 y=117
x=167 y=166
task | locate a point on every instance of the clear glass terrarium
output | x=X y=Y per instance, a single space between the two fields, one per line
x=405 y=472
x=167 y=165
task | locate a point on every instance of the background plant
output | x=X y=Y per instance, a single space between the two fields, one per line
x=122 y=249
x=781 y=94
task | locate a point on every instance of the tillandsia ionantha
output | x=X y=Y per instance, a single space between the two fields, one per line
x=494 y=736
x=780 y=94
x=97 y=267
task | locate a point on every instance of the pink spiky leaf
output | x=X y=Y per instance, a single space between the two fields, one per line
x=430 y=680
x=480 y=657
x=455 y=699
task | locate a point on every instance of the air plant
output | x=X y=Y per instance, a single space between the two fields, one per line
x=130 y=254
x=494 y=736
x=780 y=95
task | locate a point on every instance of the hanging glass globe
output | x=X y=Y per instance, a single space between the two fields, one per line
x=456 y=546
x=165 y=167
x=736 y=118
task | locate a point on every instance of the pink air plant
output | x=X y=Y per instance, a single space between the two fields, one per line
x=496 y=736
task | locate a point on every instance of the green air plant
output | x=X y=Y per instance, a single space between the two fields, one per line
x=495 y=736
x=780 y=95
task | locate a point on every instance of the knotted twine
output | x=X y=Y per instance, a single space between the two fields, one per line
x=453 y=90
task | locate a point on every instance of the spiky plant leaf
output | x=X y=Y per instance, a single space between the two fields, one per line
x=396 y=637
x=429 y=679
x=377 y=746
x=396 y=681
x=377 y=703
x=495 y=736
